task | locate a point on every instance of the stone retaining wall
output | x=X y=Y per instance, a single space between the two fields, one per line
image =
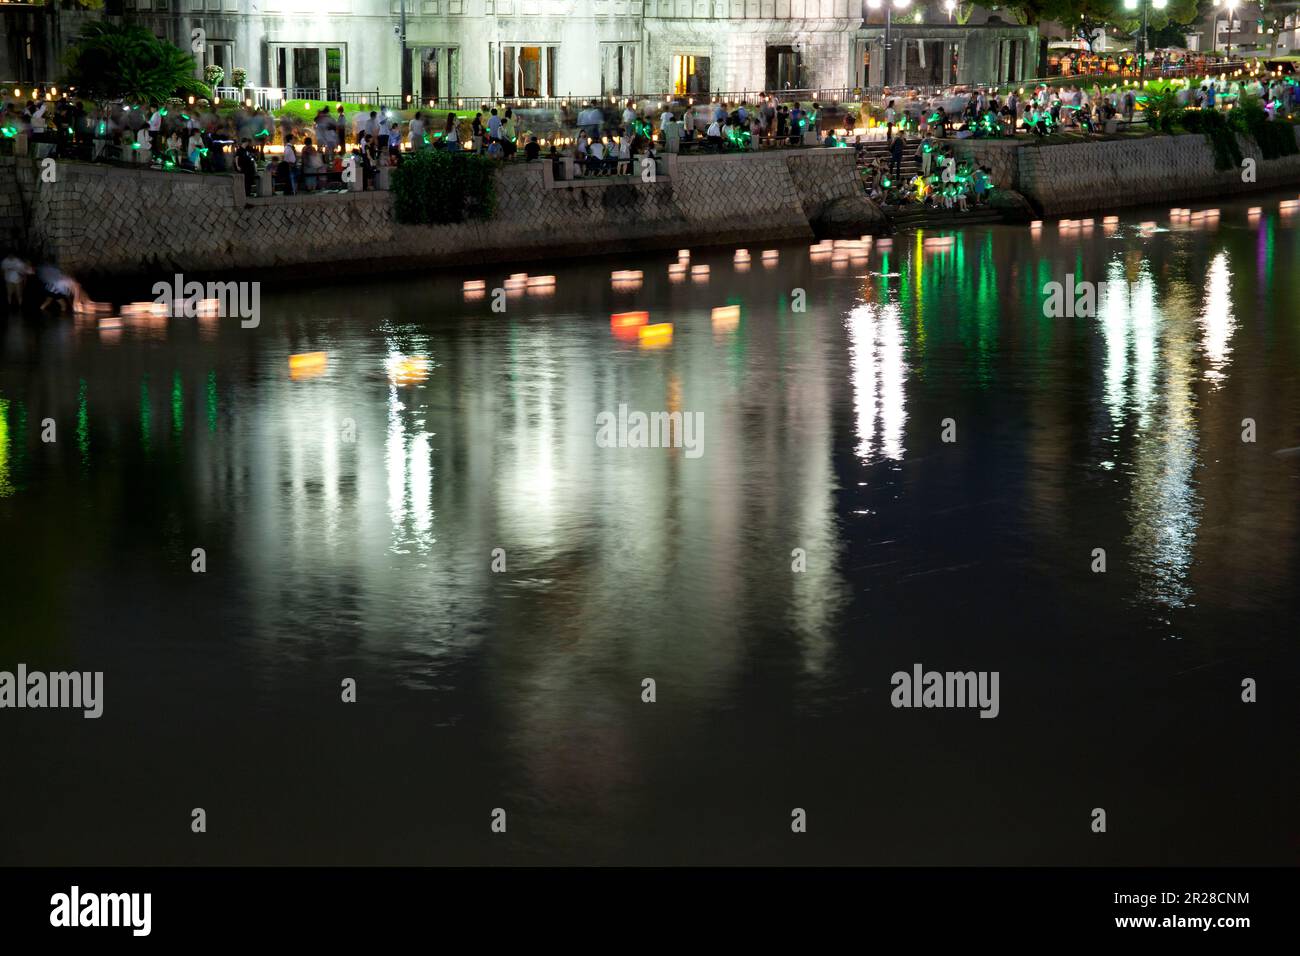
x=1107 y=174
x=101 y=220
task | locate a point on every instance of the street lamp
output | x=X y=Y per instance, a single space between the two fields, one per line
x=889 y=19
x=950 y=6
x=1231 y=6
x=1142 y=39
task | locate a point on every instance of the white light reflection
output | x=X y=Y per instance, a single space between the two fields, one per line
x=1217 y=321
x=877 y=357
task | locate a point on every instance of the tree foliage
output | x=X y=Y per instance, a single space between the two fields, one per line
x=1083 y=18
x=127 y=62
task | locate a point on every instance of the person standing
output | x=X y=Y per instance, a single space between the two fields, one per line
x=896 y=157
x=16 y=270
x=289 y=165
x=246 y=164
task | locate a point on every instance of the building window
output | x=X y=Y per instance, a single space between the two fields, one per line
x=299 y=70
x=617 y=68
x=437 y=67
x=690 y=74
x=527 y=70
x=784 y=68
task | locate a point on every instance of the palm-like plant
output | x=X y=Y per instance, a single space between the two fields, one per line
x=127 y=62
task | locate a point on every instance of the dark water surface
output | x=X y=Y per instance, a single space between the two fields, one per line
x=372 y=559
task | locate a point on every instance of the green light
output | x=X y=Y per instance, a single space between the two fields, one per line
x=212 y=401
x=178 y=404
x=83 y=423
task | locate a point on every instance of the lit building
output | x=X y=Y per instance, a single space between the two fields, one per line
x=328 y=49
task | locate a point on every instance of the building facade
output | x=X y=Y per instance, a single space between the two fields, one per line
x=559 y=48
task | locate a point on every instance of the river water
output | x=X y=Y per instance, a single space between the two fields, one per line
x=349 y=514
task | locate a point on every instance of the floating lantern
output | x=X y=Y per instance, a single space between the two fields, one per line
x=625 y=275
x=683 y=255
x=133 y=309
x=770 y=256
x=307 y=364
x=1036 y=224
x=1110 y=221
x=1254 y=211
x=1088 y=223
x=1066 y=224
x=742 y=255
x=408 y=369
x=726 y=318
x=677 y=268
x=1148 y=227
x=885 y=244
x=657 y=335
x=628 y=320
x=699 y=272
x=475 y=285
x=112 y=323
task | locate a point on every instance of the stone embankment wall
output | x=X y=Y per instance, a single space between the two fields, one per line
x=98 y=220
x=1104 y=175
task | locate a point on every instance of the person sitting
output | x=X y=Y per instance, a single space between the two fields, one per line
x=532 y=149
x=596 y=158
x=714 y=136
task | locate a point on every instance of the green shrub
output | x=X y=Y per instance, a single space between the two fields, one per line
x=1219 y=131
x=437 y=186
x=1275 y=138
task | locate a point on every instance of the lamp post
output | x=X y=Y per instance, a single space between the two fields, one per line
x=889 y=20
x=1231 y=7
x=1142 y=39
x=405 y=76
x=950 y=6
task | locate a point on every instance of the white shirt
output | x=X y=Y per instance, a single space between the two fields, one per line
x=14 y=269
x=155 y=121
x=714 y=129
x=629 y=116
x=417 y=132
x=494 y=127
x=597 y=150
x=290 y=154
x=665 y=118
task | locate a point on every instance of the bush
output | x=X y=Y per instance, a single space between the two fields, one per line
x=437 y=186
x=213 y=75
x=239 y=76
x=1275 y=138
x=1219 y=131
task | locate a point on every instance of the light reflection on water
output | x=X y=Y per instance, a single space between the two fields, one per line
x=352 y=517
